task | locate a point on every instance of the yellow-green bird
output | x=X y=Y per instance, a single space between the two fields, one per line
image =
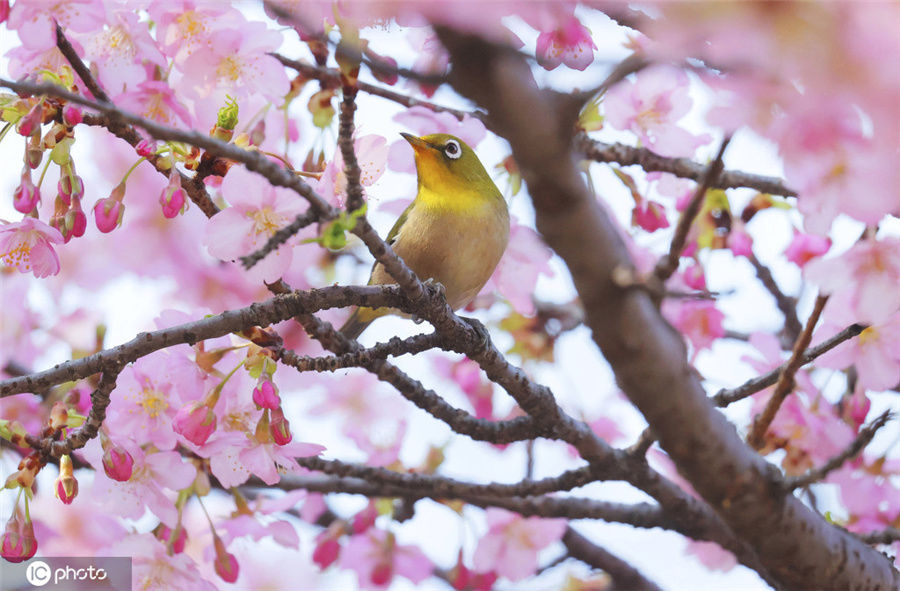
x=455 y=230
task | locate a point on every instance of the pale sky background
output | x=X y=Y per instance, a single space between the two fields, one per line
x=580 y=378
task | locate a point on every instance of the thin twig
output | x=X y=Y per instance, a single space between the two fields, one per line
x=786 y=305
x=861 y=440
x=280 y=237
x=725 y=397
x=785 y=383
x=668 y=263
x=681 y=167
x=360 y=358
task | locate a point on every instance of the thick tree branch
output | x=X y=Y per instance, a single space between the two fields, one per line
x=797 y=547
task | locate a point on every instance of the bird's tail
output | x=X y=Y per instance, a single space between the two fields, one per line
x=358 y=321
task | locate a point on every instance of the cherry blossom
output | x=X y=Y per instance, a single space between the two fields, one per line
x=28 y=246
x=376 y=558
x=257 y=211
x=512 y=543
x=650 y=106
x=570 y=44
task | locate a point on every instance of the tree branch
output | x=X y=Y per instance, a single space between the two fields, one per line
x=861 y=440
x=796 y=547
x=625 y=576
x=785 y=383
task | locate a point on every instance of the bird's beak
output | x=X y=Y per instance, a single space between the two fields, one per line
x=418 y=144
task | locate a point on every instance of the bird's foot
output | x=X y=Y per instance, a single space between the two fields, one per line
x=438 y=286
x=482 y=336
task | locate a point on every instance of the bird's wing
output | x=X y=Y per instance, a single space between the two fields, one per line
x=392 y=235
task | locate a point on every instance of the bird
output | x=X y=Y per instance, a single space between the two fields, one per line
x=453 y=233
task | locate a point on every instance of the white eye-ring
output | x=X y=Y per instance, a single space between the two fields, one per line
x=452 y=149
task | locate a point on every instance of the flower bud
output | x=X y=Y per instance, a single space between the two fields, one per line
x=164 y=533
x=226 y=564
x=69 y=186
x=172 y=198
x=265 y=395
x=26 y=196
x=59 y=416
x=327 y=548
x=145 y=148
x=280 y=428
x=75 y=223
x=195 y=422
x=108 y=214
x=66 y=485
x=31 y=122
x=18 y=542
x=117 y=463
x=382 y=573
x=72 y=115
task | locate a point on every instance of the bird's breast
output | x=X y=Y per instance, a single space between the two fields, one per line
x=458 y=248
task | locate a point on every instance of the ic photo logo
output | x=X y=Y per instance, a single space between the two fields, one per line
x=38 y=573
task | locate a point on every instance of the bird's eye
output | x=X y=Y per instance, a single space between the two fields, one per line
x=452 y=149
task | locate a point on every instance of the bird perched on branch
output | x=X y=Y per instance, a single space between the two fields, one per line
x=453 y=233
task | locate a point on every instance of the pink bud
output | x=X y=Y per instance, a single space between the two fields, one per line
x=694 y=277
x=72 y=115
x=173 y=203
x=145 y=148
x=382 y=573
x=75 y=223
x=195 y=422
x=280 y=428
x=164 y=533
x=265 y=395
x=26 y=196
x=740 y=242
x=365 y=518
x=18 y=542
x=69 y=186
x=226 y=564
x=118 y=463
x=805 y=247
x=326 y=551
x=108 y=213
x=31 y=122
x=4 y=10
x=650 y=216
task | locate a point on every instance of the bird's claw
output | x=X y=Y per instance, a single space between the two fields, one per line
x=438 y=286
x=483 y=336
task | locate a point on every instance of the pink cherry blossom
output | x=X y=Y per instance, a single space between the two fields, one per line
x=875 y=353
x=28 y=246
x=235 y=61
x=33 y=20
x=155 y=100
x=699 y=321
x=372 y=154
x=122 y=50
x=867 y=274
x=569 y=44
x=147 y=396
x=525 y=260
x=467 y=375
x=153 y=568
x=806 y=247
x=185 y=26
x=376 y=558
x=650 y=106
x=423 y=121
x=257 y=211
x=511 y=545
x=153 y=474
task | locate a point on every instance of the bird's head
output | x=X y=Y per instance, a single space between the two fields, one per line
x=446 y=164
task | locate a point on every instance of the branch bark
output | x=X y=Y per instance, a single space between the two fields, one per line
x=797 y=547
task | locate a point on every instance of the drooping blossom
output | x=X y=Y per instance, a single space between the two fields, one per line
x=377 y=558
x=569 y=44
